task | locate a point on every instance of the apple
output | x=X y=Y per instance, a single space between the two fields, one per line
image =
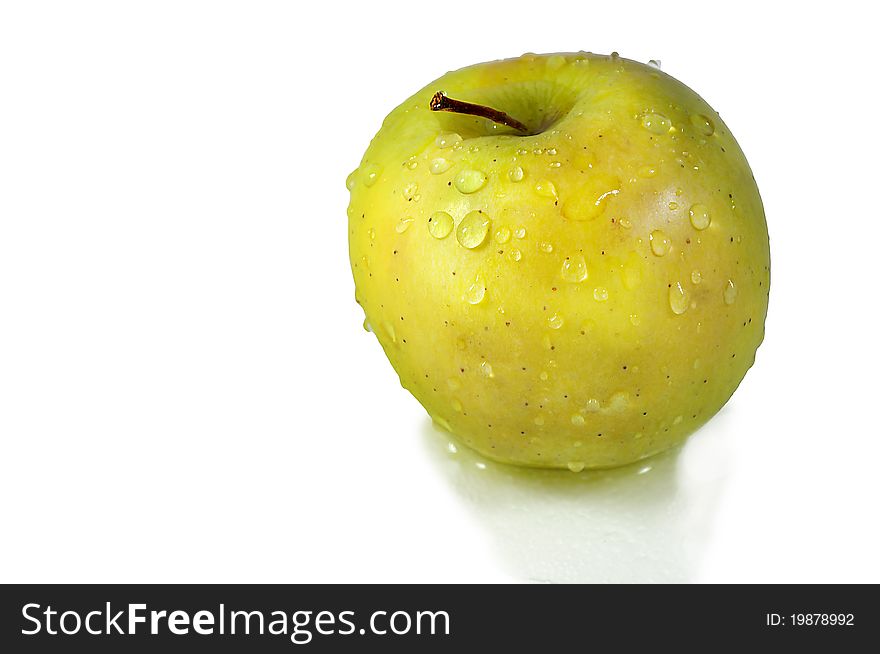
x=564 y=257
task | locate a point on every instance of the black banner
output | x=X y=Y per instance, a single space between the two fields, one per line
x=276 y=618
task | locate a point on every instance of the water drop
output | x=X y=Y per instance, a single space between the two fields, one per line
x=367 y=326
x=486 y=369
x=515 y=174
x=678 y=299
x=544 y=246
x=515 y=255
x=696 y=277
x=703 y=124
x=656 y=123
x=700 y=217
x=447 y=140
x=555 y=164
x=577 y=420
x=502 y=235
x=470 y=181
x=371 y=174
x=654 y=63
x=555 y=321
x=543 y=376
x=472 y=230
x=592 y=405
x=440 y=224
x=476 y=291
x=545 y=189
x=600 y=294
x=551 y=152
x=520 y=232
x=410 y=191
x=371 y=233
x=729 y=292
x=412 y=163
x=574 y=269
x=575 y=466
x=660 y=243
x=350 y=180
x=539 y=421
x=403 y=225
x=439 y=165
x=673 y=206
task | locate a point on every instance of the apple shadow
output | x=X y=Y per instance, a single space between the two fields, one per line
x=647 y=522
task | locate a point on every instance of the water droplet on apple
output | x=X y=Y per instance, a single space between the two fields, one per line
x=367 y=326
x=654 y=63
x=371 y=174
x=486 y=369
x=551 y=152
x=502 y=235
x=545 y=189
x=555 y=164
x=700 y=217
x=729 y=292
x=371 y=233
x=555 y=321
x=660 y=243
x=678 y=299
x=476 y=291
x=556 y=61
x=440 y=224
x=439 y=165
x=538 y=151
x=472 y=230
x=635 y=320
x=575 y=466
x=520 y=232
x=412 y=163
x=350 y=180
x=447 y=140
x=403 y=225
x=515 y=255
x=410 y=191
x=539 y=421
x=600 y=294
x=470 y=181
x=673 y=206
x=703 y=124
x=577 y=420
x=544 y=246
x=696 y=277
x=389 y=330
x=516 y=174
x=574 y=269
x=592 y=405
x=544 y=376
x=656 y=123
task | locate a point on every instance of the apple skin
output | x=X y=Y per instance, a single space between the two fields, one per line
x=601 y=320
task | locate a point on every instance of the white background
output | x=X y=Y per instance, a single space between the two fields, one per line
x=186 y=393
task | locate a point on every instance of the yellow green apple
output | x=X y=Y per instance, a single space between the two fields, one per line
x=564 y=257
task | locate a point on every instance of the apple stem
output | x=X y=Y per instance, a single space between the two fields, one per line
x=442 y=102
